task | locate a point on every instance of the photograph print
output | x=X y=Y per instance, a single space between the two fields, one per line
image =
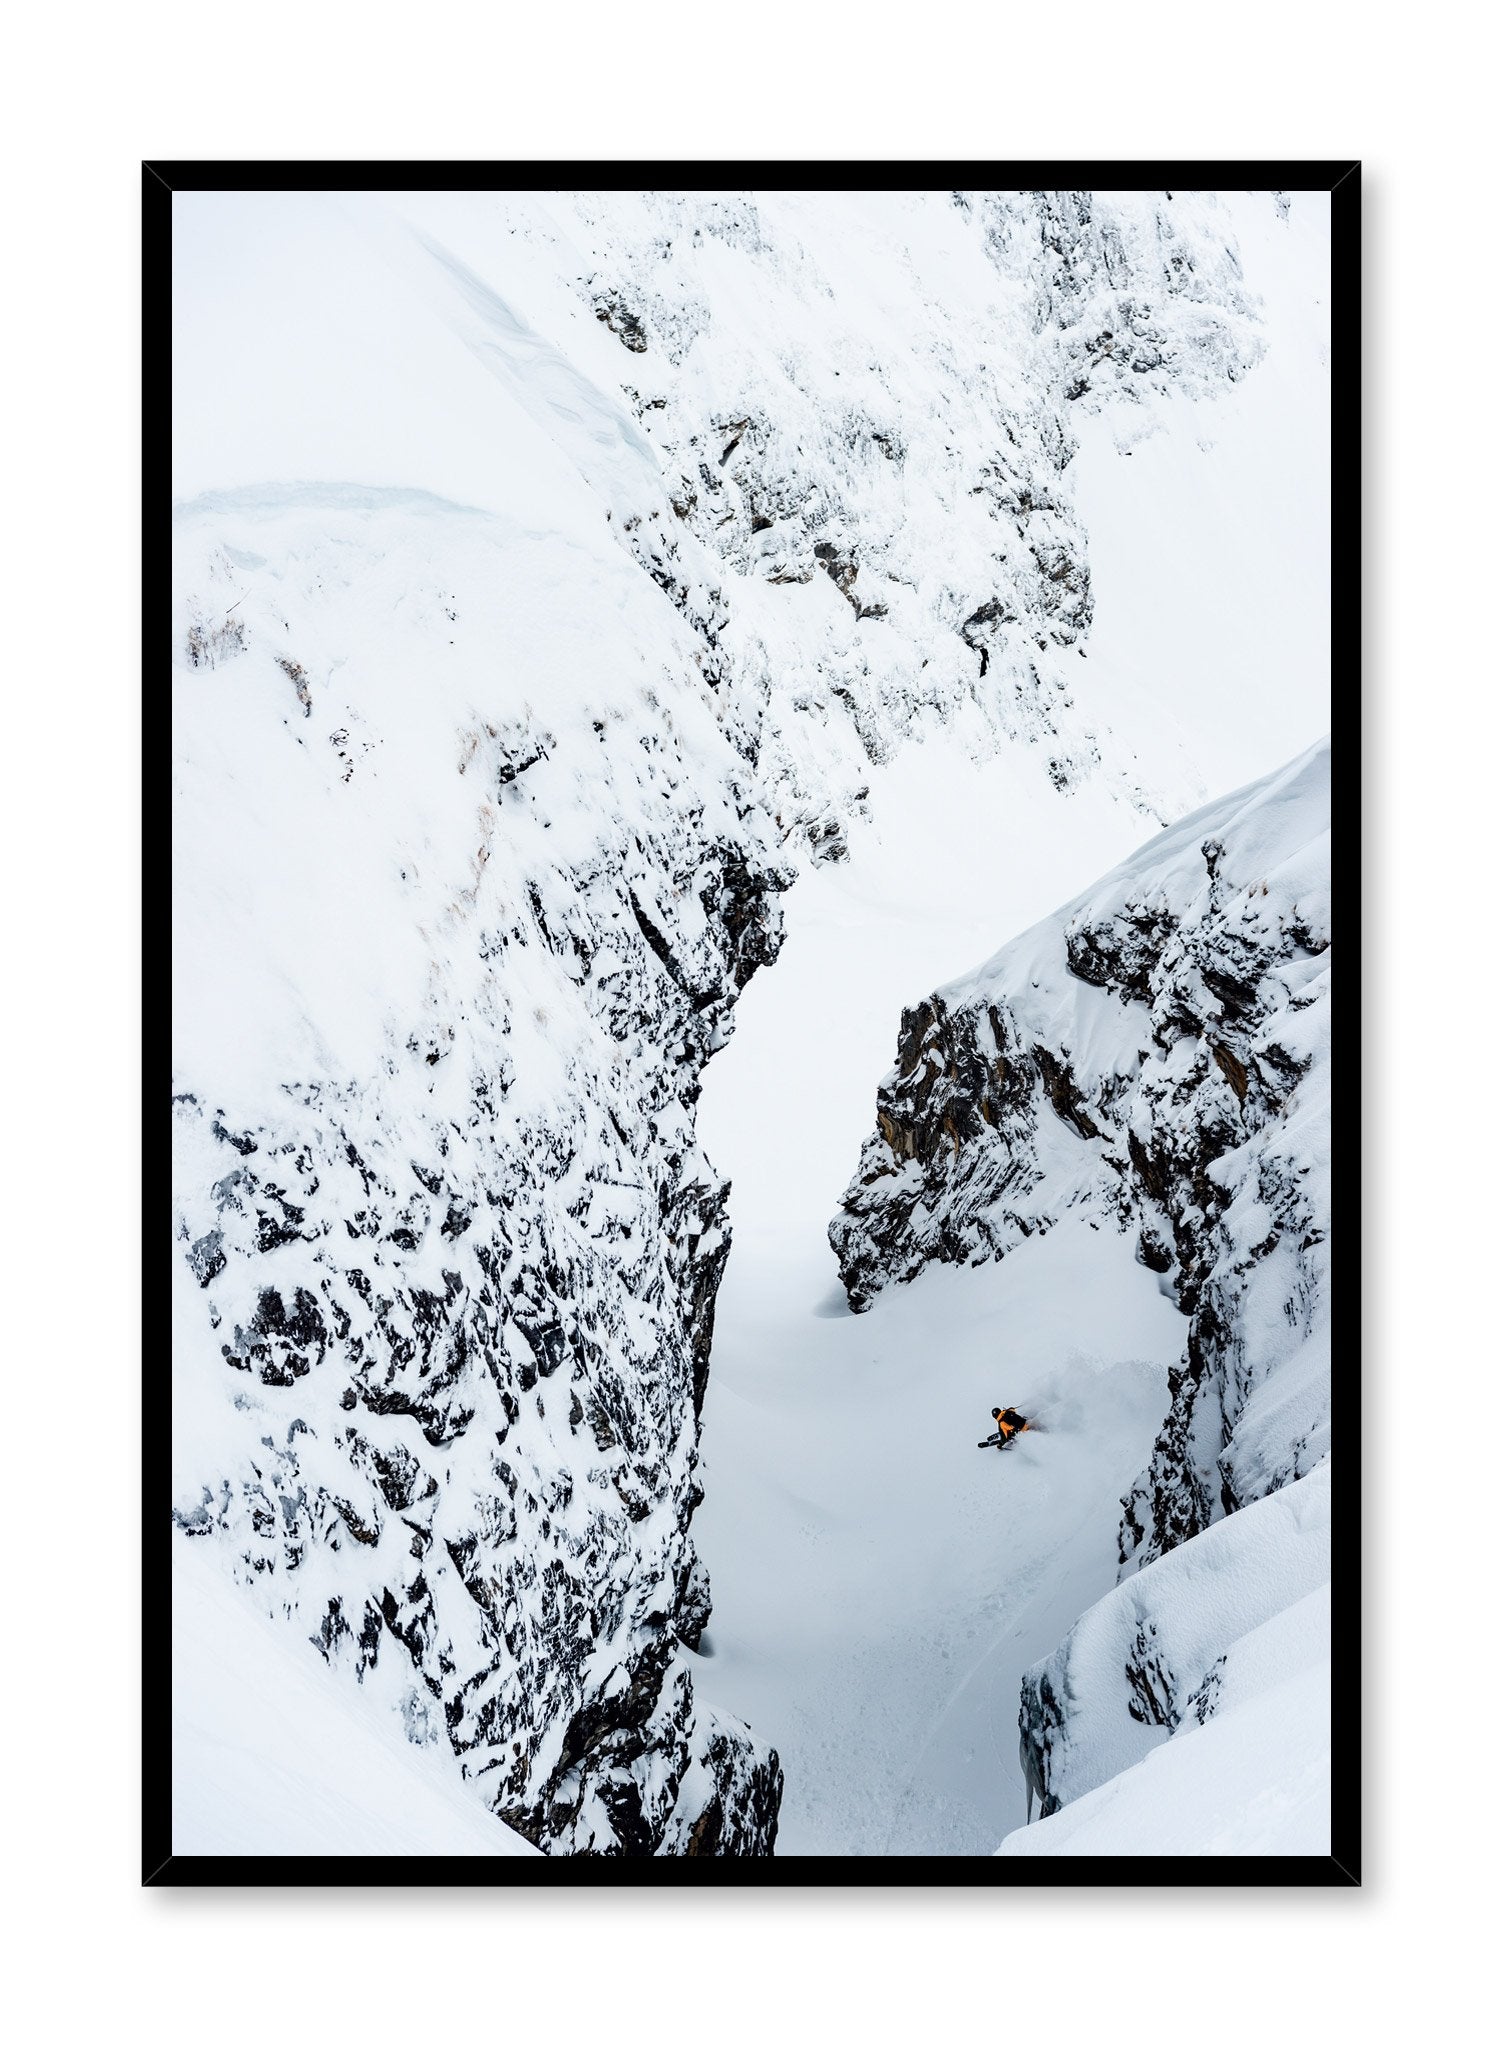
x=751 y=1125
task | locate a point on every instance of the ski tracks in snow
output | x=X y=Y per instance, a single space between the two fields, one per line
x=880 y=1584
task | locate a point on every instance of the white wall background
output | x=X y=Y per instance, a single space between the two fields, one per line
x=90 y=92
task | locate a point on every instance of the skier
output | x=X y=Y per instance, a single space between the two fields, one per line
x=1009 y=1423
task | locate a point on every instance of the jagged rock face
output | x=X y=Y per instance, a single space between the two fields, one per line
x=480 y=822
x=1159 y=1052
x=455 y=1313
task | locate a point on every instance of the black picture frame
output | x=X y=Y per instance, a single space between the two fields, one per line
x=160 y=180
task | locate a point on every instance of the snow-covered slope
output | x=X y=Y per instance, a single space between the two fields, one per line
x=552 y=575
x=1156 y=1058
x=1244 y=1769
x=1236 y=1622
x=272 y=1756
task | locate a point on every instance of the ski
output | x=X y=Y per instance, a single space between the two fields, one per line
x=997 y=1442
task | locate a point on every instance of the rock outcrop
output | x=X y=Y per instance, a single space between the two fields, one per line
x=1158 y=1054
x=1157 y=1051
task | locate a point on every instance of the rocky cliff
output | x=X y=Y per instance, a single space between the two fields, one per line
x=1156 y=1055
x=1158 y=1052
x=460 y=1294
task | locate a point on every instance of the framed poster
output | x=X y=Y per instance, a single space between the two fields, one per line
x=752 y=1091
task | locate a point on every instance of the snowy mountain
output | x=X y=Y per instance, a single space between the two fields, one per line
x=567 y=580
x=274 y=1756
x=1157 y=1056
x=449 y=974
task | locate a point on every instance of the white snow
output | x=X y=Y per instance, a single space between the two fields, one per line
x=273 y=1755
x=880 y=1582
x=1254 y=1780
x=1210 y=531
x=1213 y=1624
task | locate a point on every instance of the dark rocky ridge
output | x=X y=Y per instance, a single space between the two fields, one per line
x=1145 y=1053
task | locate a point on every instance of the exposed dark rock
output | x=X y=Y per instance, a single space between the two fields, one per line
x=206 y=1257
x=623 y=323
x=1065 y=1098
